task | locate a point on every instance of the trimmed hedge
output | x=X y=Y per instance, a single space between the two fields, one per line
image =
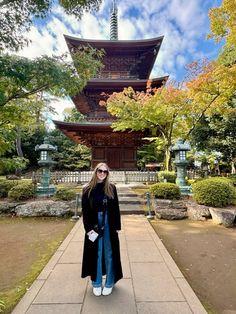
x=64 y=194
x=6 y=186
x=165 y=190
x=169 y=176
x=216 y=192
x=22 y=191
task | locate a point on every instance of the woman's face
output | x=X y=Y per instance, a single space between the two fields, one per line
x=102 y=173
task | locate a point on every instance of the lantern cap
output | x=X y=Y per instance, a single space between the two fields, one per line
x=181 y=145
x=46 y=146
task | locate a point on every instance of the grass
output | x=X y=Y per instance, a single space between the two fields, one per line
x=10 y=297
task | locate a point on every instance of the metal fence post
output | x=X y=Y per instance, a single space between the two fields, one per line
x=148 y=197
x=77 y=203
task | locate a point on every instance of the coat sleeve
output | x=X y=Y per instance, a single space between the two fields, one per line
x=88 y=226
x=117 y=210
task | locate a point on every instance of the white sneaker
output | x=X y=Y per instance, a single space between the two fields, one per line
x=107 y=291
x=97 y=291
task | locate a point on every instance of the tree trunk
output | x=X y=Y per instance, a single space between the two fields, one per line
x=233 y=170
x=167 y=158
x=18 y=150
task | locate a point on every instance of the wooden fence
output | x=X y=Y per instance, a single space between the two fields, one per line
x=84 y=176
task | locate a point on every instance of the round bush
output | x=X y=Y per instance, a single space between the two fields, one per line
x=64 y=195
x=165 y=190
x=216 y=192
x=6 y=186
x=22 y=191
x=232 y=178
x=169 y=176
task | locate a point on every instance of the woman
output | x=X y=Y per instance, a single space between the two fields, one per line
x=101 y=218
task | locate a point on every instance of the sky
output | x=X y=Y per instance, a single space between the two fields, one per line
x=183 y=23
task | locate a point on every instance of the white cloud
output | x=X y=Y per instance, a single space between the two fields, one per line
x=184 y=24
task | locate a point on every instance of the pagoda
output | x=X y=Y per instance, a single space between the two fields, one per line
x=126 y=63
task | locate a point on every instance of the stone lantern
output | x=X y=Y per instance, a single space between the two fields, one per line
x=45 y=161
x=180 y=149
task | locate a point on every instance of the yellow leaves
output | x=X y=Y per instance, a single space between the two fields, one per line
x=211 y=90
x=223 y=22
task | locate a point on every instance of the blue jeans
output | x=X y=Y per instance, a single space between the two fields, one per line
x=104 y=243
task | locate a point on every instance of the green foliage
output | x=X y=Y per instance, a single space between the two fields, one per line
x=70 y=156
x=165 y=190
x=216 y=192
x=10 y=165
x=232 y=178
x=64 y=194
x=22 y=191
x=169 y=176
x=22 y=77
x=6 y=186
x=16 y=17
x=190 y=181
x=217 y=133
x=2 y=306
x=148 y=153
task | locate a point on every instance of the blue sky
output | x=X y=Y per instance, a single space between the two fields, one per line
x=183 y=23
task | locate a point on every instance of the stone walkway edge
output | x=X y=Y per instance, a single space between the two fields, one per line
x=152 y=281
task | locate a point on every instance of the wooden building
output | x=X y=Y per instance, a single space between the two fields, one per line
x=126 y=63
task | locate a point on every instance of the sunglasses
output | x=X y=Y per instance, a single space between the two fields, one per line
x=102 y=171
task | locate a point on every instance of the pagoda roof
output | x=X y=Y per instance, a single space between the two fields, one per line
x=106 y=85
x=120 y=45
x=85 y=132
x=146 y=49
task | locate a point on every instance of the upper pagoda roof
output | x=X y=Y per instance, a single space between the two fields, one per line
x=106 y=85
x=146 y=50
x=120 y=45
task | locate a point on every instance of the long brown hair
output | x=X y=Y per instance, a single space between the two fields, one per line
x=108 y=189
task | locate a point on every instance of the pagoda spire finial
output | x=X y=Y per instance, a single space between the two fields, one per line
x=114 y=22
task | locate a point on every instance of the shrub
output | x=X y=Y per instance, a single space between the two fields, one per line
x=165 y=190
x=5 y=186
x=169 y=176
x=64 y=194
x=22 y=191
x=232 y=178
x=190 y=181
x=216 y=192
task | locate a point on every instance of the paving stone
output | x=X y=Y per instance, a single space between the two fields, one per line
x=121 y=301
x=50 y=265
x=55 y=309
x=171 y=264
x=73 y=253
x=125 y=264
x=64 y=285
x=137 y=234
x=143 y=251
x=163 y=308
x=79 y=235
x=191 y=297
x=153 y=282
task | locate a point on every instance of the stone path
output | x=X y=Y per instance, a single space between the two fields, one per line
x=152 y=282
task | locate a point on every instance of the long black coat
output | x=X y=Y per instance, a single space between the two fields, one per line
x=90 y=218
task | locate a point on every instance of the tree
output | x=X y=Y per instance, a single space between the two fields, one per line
x=223 y=26
x=21 y=77
x=16 y=17
x=210 y=91
x=218 y=134
x=160 y=111
x=20 y=118
x=70 y=156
